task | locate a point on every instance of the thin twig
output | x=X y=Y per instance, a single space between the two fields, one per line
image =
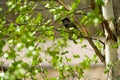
x=85 y=37
x=72 y=69
x=11 y=21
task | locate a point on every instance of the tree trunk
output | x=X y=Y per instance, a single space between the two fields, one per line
x=111 y=55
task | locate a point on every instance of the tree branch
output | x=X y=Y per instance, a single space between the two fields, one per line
x=81 y=27
x=111 y=35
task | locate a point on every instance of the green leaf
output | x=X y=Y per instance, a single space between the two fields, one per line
x=115 y=46
x=53 y=52
x=84 y=46
x=99 y=45
x=86 y=63
x=76 y=56
x=74 y=37
x=75 y=4
x=69 y=59
x=1 y=9
x=53 y=78
x=2 y=43
x=57 y=16
x=20 y=46
x=95 y=59
x=106 y=71
x=65 y=52
x=38 y=19
x=99 y=2
x=84 y=20
x=10 y=5
x=32 y=52
x=11 y=54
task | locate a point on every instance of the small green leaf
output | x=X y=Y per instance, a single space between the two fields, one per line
x=106 y=71
x=2 y=43
x=1 y=9
x=84 y=46
x=95 y=59
x=86 y=63
x=75 y=4
x=115 y=46
x=69 y=59
x=57 y=16
x=65 y=52
x=74 y=37
x=53 y=78
x=99 y=2
x=19 y=46
x=76 y=56
x=11 y=54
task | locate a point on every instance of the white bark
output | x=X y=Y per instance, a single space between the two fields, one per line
x=111 y=55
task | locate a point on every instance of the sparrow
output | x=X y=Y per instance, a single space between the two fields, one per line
x=71 y=28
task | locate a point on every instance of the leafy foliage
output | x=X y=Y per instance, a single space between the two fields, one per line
x=29 y=29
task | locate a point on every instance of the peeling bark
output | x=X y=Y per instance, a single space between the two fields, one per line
x=111 y=55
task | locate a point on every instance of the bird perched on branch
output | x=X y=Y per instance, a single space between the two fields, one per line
x=67 y=23
x=72 y=29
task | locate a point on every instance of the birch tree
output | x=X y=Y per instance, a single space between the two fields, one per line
x=111 y=46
